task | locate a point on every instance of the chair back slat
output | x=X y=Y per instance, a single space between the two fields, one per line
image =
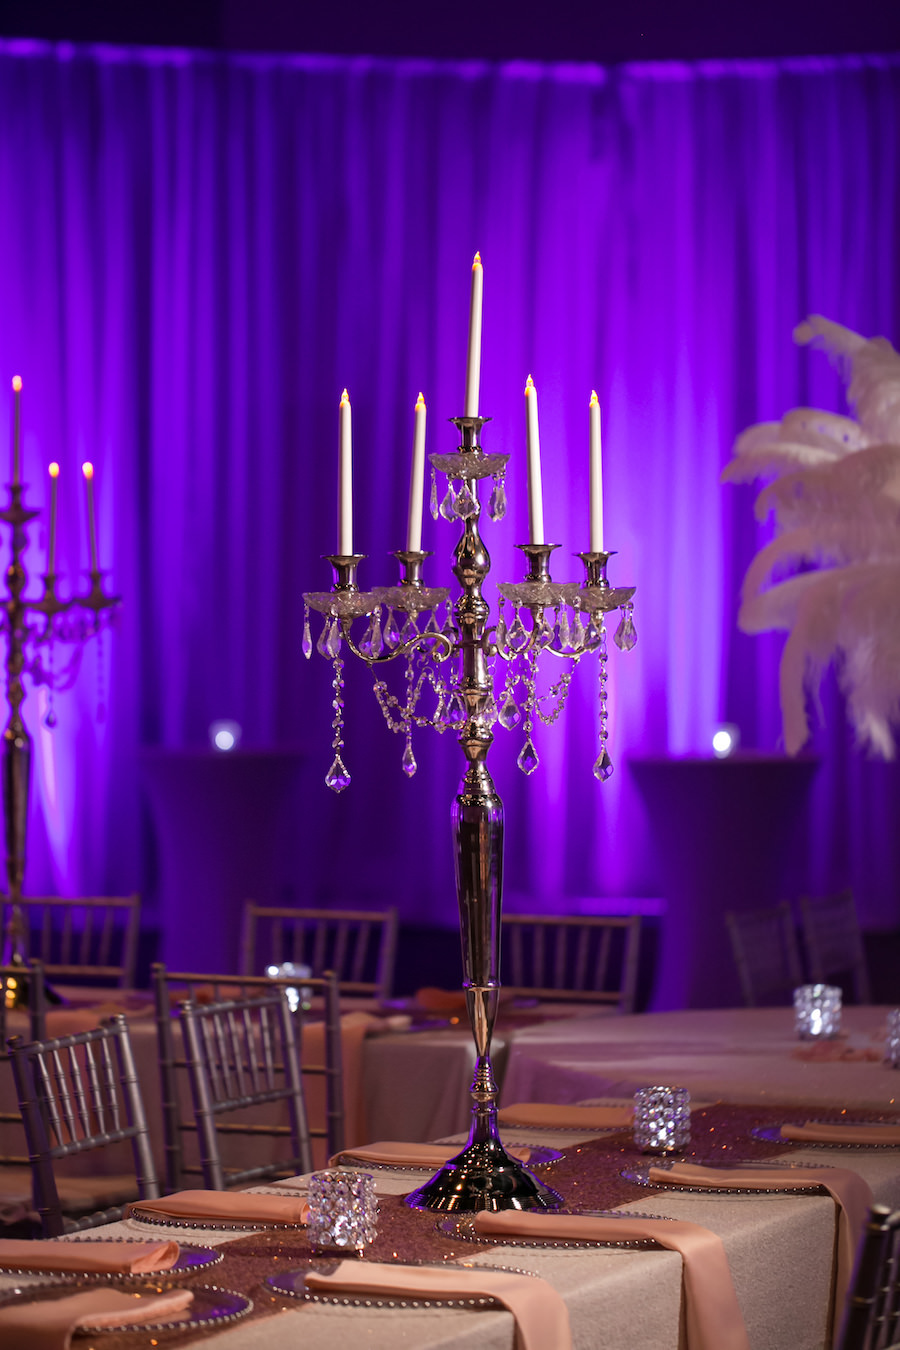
x=91 y=938
x=263 y=1049
x=871 y=1314
x=589 y=958
x=268 y=1019
x=834 y=944
x=77 y=1095
x=766 y=953
x=358 y=945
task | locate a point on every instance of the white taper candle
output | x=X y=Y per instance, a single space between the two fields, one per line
x=473 y=360
x=535 y=489
x=345 y=479
x=417 y=481
x=596 y=477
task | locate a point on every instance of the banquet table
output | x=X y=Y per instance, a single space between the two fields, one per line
x=779 y=1249
x=725 y=1054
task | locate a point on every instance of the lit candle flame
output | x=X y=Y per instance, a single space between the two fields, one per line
x=594 y=399
x=420 y=402
x=54 y=470
x=345 y=397
x=87 y=469
x=17 y=384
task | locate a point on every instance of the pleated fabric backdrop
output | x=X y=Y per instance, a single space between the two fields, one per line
x=198 y=252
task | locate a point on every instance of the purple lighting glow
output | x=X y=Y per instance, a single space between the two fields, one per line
x=201 y=251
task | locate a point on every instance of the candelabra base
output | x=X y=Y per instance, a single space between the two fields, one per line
x=484 y=1176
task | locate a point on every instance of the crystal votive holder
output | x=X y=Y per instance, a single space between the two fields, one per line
x=662 y=1118
x=817 y=1011
x=892 y=1043
x=343 y=1210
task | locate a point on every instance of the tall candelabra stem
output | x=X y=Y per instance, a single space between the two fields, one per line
x=16 y=751
x=483 y=1175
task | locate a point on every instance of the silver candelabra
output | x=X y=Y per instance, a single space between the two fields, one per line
x=476 y=674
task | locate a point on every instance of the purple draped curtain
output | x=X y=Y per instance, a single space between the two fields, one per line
x=198 y=252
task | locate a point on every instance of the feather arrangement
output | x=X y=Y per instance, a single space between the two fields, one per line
x=831 y=576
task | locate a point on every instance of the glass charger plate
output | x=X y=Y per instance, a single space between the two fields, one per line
x=772 y=1134
x=640 y=1172
x=190 y=1260
x=291 y=1284
x=211 y=1307
x=539 y=1156
x=461 y=1228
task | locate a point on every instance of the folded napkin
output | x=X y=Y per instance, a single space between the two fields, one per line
x=240 y=1206
x=545 y=1115
x=389 y=1153
x=541 y=1316
x=50 y=1323
x=713 y=1317
x=114 y=1258
x=815 y=1132
x=848 y=1190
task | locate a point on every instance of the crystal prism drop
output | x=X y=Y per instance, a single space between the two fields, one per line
x=322 y=644
x=409 y=629
x=625 y=635
x=603 y=767
x=509 y=713
x=367 y=641
x=391 y=631
x=447 y=505
x=433 y=501
x=564 y=636
x=333 y=641
x=464 y=506
x=307 y=636
x=50 y=719
x=528 y=760
x=500 y=633
x=517 y=634
x=408 y=762
x=377 y=640
x=337 y=777
x=497 y=503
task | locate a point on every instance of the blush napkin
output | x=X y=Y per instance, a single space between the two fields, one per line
x=850 y=1192
x=112 y=1258
x=712 y=1315
x=49 y=1324
x=546 y=1115
x=817 y=1132
x=238 y=1206
x=389 y=1153
x=541 y=1316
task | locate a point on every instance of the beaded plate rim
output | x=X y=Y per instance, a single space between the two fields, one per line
x=638 y=1173
x=197 y=1317
x=212 y=1225
x=772 y=1134
x=347 y=1159
x=208 y=1256
x=399 y=1302
x=453 y=1226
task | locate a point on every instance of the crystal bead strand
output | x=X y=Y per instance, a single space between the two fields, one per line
x=528 y=757
x=337 y=777
x=603 y=765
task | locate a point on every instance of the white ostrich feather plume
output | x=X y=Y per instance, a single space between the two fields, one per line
x=831 y=578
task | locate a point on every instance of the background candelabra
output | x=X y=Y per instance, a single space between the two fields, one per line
x=476 y=675
x=35 y=630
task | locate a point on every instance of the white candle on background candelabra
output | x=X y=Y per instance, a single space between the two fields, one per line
x=596 y=479
x=17 y=427
x=88 y=470
x=535 y=490
x=417 y=481
x=473 y=361
x=51 y=546
x=345 y=479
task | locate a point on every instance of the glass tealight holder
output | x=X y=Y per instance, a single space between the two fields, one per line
x=817 y=1011
x=892 y=1043
x=662 y=1119
x=343 y=1210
